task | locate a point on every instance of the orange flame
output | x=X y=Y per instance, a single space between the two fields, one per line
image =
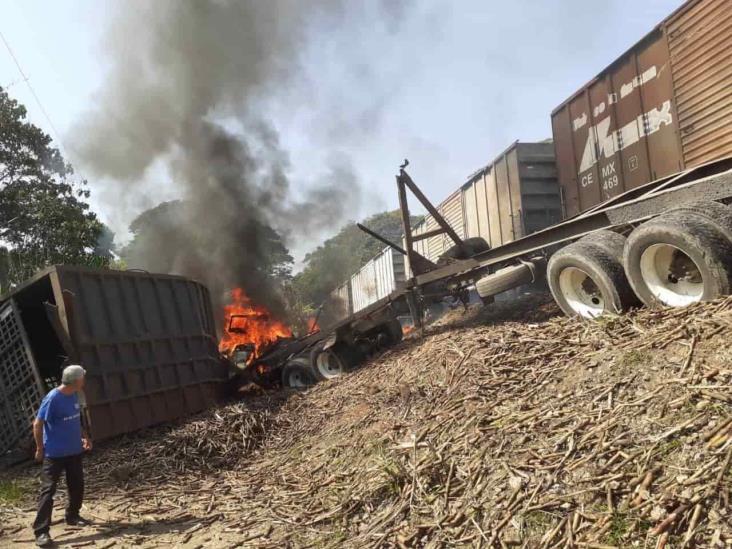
x=246 y=322
x=313 y=326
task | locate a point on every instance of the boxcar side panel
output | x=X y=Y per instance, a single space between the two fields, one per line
x=700 y=42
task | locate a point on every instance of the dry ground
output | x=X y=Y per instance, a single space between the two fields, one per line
x=508 y=426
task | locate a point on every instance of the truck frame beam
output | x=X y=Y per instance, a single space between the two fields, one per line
x=711 y=181
x=632 y=207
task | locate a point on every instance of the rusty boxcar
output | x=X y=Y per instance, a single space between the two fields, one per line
x=515 y=195
x=662 y=107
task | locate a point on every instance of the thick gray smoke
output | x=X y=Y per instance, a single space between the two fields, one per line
x=186 y=82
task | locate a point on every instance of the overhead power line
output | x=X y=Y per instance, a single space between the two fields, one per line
x=56 y=133
x=33 y=92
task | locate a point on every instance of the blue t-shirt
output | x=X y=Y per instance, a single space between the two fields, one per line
x=61 y=417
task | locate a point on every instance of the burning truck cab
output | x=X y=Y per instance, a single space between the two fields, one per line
x=251 y=333
x=251 y=328
x=263 y=350
x=241 y=354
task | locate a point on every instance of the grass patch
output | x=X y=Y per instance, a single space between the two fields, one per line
x=608 y=321
x=643 y=525
x=635 y=358
x=395 y=476
x=618 y=529
x=669 y=447
x=13 y=492
x=538 y=522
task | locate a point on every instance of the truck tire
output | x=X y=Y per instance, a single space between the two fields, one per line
x=297 y=373
x=504 y=279
x=613 y=243
x=470 y=247
x=715 y=212
x=587 y=278
x=333 y=361
x=679 y=258
x=395 y=332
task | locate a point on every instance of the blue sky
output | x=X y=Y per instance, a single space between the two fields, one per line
x=448 y=85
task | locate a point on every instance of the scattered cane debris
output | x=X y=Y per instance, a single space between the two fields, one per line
x=216 y=439
x=490 y=431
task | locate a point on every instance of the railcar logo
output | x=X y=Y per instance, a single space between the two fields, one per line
x=602 y=143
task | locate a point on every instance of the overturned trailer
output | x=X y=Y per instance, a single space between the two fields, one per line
x=147 y=341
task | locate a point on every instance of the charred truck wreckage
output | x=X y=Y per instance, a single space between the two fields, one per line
x=628 y=204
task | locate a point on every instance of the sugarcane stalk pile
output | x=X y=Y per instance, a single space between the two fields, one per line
x=515 y=427
x=209 y=442
x=612 y=433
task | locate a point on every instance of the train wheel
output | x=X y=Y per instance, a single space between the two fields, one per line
x=587 y=279
x=297 y=373
x=679 y=258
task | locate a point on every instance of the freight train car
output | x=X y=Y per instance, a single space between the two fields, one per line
x=662 y=107
x=515 y=195
x=380 y=276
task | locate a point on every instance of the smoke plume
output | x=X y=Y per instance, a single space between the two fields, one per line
x=184 y=93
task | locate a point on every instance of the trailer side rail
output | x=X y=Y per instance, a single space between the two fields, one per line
x=632 y=207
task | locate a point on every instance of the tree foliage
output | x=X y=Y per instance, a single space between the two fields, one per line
x=154 y=229
x=44 y=218
x=334 y=261
x=105 y=245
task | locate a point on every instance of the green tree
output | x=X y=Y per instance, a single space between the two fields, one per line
x=44 y=219
x=331 y=263
x=157 y=242
x=105 y=246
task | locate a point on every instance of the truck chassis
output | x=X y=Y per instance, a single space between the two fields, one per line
x=591 y=275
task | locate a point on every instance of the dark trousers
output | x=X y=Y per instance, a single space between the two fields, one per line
x=50 y=473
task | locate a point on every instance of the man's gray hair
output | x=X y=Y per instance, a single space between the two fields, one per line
x=72 y=373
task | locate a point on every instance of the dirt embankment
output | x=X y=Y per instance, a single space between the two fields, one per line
x=511 y=426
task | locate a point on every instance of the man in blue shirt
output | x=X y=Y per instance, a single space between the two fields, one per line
x=60 y=444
